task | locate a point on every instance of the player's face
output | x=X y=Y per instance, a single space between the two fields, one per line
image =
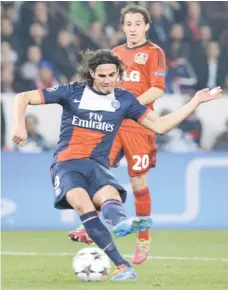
x=135 y=28
x=105 y=78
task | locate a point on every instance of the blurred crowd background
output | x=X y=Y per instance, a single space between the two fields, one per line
x=41 y=41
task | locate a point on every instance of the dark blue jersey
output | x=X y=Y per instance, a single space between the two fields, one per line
x=90 y=120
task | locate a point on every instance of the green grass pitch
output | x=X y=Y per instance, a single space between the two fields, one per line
x=170 y=266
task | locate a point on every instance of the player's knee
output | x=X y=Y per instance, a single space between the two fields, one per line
x=80 y=208
x=105 y=193
x=138 y=182
x=80 y=201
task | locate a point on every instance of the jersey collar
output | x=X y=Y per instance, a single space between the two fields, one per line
x=99 y=93
x=132 y=48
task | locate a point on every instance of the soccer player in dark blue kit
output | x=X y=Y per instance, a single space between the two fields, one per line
x=92 y=113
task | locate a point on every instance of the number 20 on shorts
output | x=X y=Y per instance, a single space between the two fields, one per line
x=141 y=162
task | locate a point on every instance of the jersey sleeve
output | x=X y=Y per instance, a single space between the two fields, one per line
x=136 y=111
x=55 y=95
x=157 y=68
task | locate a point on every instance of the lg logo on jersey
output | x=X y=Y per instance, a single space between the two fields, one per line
x=133 y=76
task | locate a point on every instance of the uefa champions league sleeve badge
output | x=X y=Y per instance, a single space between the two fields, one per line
x=53 y=89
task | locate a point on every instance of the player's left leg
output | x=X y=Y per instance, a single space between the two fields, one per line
x=108 y=199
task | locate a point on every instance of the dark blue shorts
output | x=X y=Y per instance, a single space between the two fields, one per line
x=81 y=173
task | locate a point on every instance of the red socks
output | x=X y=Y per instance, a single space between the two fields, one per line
x=143 y=208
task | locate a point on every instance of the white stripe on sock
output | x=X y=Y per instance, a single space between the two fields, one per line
x=88 y=219
x=107 y=247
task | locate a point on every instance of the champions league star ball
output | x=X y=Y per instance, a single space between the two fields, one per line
x=91 y=264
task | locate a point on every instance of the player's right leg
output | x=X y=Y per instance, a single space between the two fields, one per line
x=71 y=185
x=81 y=202
x=140 y=152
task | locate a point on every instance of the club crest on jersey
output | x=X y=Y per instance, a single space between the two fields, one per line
x=115 y=104
x=141 y=58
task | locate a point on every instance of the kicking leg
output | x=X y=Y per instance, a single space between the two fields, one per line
x=109 y=200
x=79 y=199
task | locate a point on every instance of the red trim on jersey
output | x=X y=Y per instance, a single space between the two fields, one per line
x=41 y=96
x=143 y=116
x=81 y=145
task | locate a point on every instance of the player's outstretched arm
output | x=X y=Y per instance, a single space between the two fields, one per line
x=21 y=102
x=162 y=125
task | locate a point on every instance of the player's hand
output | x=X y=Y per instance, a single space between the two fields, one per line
x=206 y=95
x=20 y=135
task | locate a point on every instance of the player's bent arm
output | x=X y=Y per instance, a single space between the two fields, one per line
x=164 y=124
x=151 y=95
x=22 y=100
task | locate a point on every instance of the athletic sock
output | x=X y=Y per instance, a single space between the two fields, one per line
x=101 y=237
x=113 y=211
x=143 y=208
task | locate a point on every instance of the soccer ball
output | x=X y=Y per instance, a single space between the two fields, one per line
x=91 y=264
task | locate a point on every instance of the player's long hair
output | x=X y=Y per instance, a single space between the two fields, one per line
x=92 y=59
